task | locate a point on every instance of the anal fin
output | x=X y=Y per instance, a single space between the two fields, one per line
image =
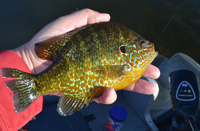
x=67 y=105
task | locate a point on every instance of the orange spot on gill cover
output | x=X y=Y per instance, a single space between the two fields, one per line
x=120 y=51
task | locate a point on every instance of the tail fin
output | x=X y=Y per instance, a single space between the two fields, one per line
x=24 y=89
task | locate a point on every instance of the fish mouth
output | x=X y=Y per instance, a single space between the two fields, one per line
x=152 y=57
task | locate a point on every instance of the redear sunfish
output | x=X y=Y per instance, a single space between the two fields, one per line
x=86 y=62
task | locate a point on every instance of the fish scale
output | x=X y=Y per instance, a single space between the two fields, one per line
x=86 y=62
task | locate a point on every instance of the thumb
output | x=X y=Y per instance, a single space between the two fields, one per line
x=108 y=97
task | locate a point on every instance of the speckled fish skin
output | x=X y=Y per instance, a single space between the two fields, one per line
x=89 y=60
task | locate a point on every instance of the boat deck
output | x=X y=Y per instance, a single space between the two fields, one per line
x=143 y=113
x=92 y=118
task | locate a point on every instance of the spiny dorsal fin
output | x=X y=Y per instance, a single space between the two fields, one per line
x=67 y=105
x=47 y=49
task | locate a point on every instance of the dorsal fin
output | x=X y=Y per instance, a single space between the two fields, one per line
x=47 y=49
x=67 y=105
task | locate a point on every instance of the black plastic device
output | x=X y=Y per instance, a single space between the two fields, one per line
x=184 y=93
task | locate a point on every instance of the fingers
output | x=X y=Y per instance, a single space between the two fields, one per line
x=152 y=72
x=55 y=93
x=143 y=87
x=86 y=16
x=79 y=19
x=108 y=97
x=95 y=17
x=70 y=22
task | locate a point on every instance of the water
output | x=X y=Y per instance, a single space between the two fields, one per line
x=21 y=20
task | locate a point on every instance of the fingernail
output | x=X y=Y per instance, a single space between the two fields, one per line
x=108 y=88
x=106 y=16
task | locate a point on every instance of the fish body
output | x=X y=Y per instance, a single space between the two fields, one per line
x=86 y=62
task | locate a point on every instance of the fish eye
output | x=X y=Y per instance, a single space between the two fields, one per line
x=122 y=49
x=142 y=43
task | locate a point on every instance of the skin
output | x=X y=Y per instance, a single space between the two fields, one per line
x=70 y=22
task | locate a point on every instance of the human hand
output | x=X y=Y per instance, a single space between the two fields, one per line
x=65 y=24
x=141 y=86
x=59 y=26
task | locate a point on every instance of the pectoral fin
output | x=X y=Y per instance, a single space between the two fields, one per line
x=68 y=105
x=110 y=71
